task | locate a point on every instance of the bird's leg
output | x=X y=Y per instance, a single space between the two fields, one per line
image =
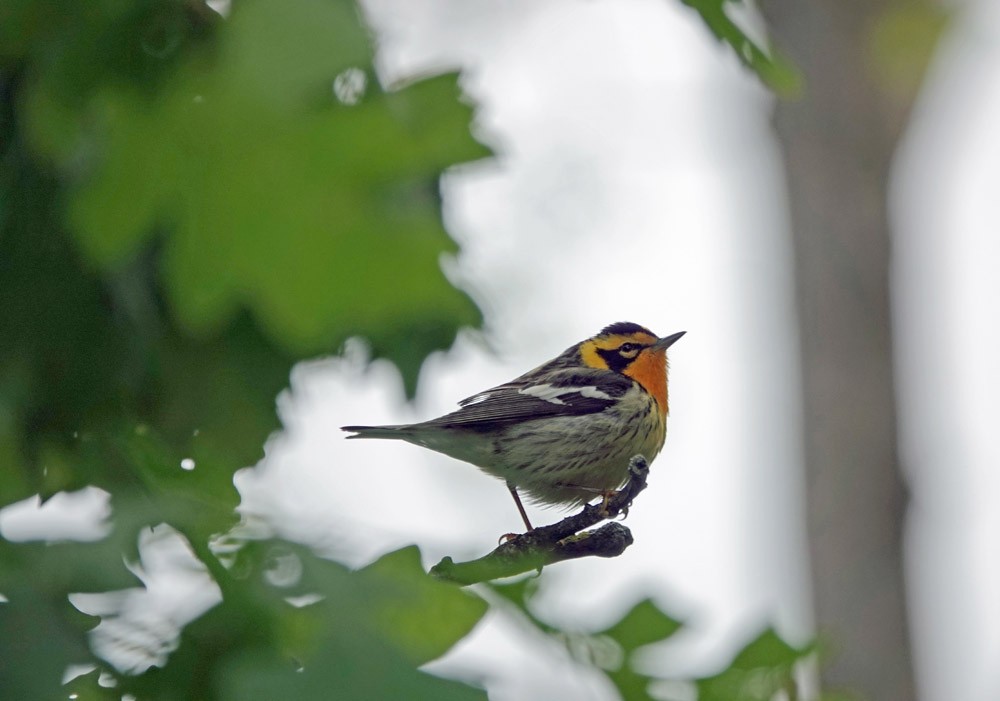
x=520 y=506
x=605 y=498
x=605 y=494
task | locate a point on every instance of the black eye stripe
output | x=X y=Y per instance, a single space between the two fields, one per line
x=630 y=348
x=620 y=357
x=614 y=359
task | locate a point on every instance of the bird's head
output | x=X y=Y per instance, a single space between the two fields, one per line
x=634 y=351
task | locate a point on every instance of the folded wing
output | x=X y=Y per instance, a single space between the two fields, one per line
x=571 y=392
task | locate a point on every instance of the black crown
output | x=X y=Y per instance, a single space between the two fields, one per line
x=625 y=328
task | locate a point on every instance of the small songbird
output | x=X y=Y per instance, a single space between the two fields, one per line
x=564 y=432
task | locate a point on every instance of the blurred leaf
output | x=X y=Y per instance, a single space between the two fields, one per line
x=240 y=623
x=761 y=669
x=62 y=568
x=644 y=624
x=40 y=631
x=231 y=213
x=425 y=616
x=45 y=643
x=86 y=687
x=768 y=650
x=351 y=663
x=297 y=193
x=87 y=368
x=321 y=219
x=776 y=71
x=256 y=645
x=73 y=48
x=519 y=593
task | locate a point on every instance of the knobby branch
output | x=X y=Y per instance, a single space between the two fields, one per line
x=565 y=540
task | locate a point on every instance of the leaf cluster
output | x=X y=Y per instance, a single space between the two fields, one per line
x=293 y=625
x=189 y=205
x=765 y=667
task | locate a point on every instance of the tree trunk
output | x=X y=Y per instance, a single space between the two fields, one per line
x=838 y=140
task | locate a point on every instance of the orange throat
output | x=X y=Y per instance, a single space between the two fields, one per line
x=650 y=371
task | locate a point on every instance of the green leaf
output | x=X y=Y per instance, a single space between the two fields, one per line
x=776 y=71
x=761 y=669
x=518 y=591
x=644 y=624
x=36 y=643
x=85 y=364
x=320 y=217
x=73 y=49
x=426 y=617
x=86 y=687
x=768 y=650
x=239 y=624
x=256 y=645
x=347 y=664
x=61 y=568
x=229 y=213
x=40 y=631
x=228 y=180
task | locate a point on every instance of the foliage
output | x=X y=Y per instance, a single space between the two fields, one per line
x=777 y=72
x=764 y=667
x=188 y=206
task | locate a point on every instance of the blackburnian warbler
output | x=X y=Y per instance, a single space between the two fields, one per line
x=562 y=433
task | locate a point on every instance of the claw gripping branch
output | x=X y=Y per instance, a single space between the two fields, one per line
x=565 y=540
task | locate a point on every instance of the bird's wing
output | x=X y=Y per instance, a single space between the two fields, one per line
x=569 y=392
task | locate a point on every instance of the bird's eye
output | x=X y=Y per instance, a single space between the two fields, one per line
x=626 y=348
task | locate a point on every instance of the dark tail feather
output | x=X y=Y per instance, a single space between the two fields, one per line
x=394 y=432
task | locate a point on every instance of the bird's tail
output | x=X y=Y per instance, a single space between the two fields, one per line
x=400 y=432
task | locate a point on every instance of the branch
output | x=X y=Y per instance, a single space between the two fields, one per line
x=560 y=541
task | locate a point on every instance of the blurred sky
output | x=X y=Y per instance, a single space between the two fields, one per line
x=637 y=178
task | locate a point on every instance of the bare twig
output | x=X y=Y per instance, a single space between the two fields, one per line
x=560 y=541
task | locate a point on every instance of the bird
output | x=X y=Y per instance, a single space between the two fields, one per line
x=563 y=433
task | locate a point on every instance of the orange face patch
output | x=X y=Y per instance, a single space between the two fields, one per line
x=650 y=371
x=646 y=366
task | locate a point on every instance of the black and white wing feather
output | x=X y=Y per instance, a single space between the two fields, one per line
x=571 y=392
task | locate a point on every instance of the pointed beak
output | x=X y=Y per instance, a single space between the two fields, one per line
x=668 y=341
